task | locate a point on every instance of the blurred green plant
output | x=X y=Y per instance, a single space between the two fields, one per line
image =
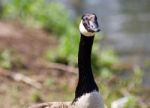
x=132 y=103
x=51 y=16
x=116 y=87
x=5 y=59
x=55 y=18
x=103 y=61
x=36 y=97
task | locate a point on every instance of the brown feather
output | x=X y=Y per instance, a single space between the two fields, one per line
x=52 y=105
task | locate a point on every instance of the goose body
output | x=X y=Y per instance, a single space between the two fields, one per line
x=87 y=94
x=90 y=100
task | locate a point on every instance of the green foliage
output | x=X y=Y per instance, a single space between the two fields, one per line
x=138 y=73
x=5 y=59
x=115 y=88
x=69 y=45
x=51 y=16
x=108 y=58
x=54 y=17
x=38 y=13
x=35 y=96
x=68 y=48
x=132 y=103
x=103 y=61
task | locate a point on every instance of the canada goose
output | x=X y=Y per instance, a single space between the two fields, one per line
x=87 y=94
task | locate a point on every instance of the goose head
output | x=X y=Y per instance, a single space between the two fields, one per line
x=89 y=25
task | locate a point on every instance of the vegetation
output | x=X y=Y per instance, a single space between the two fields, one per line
x=48 y=16
x=123 y=87
x=56 y=19
x=5 y=59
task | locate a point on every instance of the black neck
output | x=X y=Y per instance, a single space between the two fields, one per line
x=86 y=83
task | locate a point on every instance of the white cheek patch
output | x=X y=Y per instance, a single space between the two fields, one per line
x=84 y=31
x=90 y=100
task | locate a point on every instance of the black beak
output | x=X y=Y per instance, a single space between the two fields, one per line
x=96 y=30
x=94 y=27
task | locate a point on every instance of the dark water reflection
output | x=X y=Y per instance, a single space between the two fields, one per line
x=125 y=24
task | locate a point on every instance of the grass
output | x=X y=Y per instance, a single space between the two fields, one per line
x=5 y=59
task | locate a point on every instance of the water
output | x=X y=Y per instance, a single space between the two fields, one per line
x=126 y=26
x=125 y=23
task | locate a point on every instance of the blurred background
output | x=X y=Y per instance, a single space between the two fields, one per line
x=39 y=45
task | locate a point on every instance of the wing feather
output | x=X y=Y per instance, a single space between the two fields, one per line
x=52 y=105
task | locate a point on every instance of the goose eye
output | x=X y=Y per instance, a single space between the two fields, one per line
x=85 y=18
